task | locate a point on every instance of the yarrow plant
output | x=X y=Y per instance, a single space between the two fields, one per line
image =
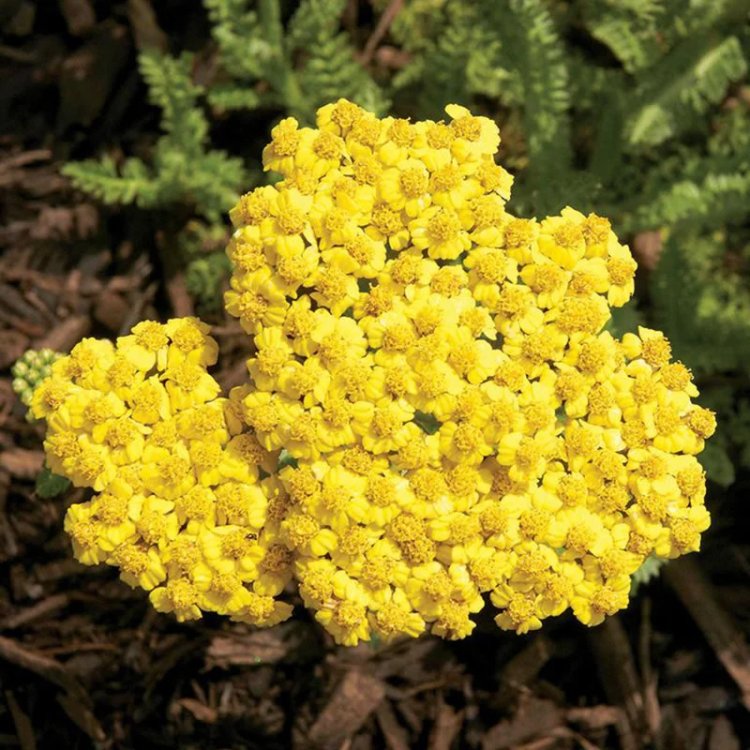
x=436 y=417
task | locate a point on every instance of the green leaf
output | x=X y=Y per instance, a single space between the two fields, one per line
x=244 y=52
x=625 y=319
x=230 y=97
x=700 y=200
x=717 y=463
x=694 y=75
x=702 y=307
x=170 y=88
x=286 y=459
x=647 y=572
x=531 y=45
x=102 y=180
x=49 y=484
x=426 y=422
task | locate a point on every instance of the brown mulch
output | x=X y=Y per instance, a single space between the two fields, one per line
x=86 y=662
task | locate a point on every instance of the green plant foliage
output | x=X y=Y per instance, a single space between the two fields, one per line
x=532 y=42
x=693 y=76
x=49 y=484
x=207 y=266
x=625 y=319
x=628 y=29
x=205 y=278
x=330 y=70
x=650 y=570
x=184 y=169
x=461 y=61
x=298 y=66
x=709 y=323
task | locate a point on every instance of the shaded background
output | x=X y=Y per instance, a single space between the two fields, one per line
x=127 y=129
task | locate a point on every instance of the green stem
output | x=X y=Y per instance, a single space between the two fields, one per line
x=280 y=72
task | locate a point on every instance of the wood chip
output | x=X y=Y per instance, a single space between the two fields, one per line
x=594 y=717
x=65 y=336
x=619 y=678
x=722 y=736
x=22 y=463
x=523 y=668
x=447 y=725
x=87 y=77
x=199 y=710
x=395 y=735
x=647 y=248
x=24 y=729
x=75 y=701
x=79 y=16
x=174 y=276
x=22 y=159
x=250 y=649
x=146 y=30
x=12 y=301
x=696 y=593
x=12 y=345
x=111 y=310
x=82 y=716
x=355 y=698
x=535 y=717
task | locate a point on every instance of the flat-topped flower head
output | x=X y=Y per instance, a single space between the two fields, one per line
x=461 y=350
x=169 y=467
x=435 y=416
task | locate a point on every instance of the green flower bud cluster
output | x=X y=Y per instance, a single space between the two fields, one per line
x=30 y=370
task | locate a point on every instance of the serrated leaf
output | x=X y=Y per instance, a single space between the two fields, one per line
x=231 y=97
x=694 y=75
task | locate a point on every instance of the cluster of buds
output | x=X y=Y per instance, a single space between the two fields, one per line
x=30 y=370
x=458 y=426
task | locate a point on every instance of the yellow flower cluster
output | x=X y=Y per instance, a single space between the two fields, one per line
x=458 y=426
x=180 y=507
x=461 y=424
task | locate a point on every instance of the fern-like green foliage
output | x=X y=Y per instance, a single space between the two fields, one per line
x=184 y=169
x=709 y=323
x=532 y=41
x=682 y=86
x=630 y=30
x=329 y=69
x=460 y=62
x=205 y=279
x=207 y=266
x=297 y=67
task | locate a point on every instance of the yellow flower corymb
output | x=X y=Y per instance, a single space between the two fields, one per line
x=457 y=425
x=170 y=468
